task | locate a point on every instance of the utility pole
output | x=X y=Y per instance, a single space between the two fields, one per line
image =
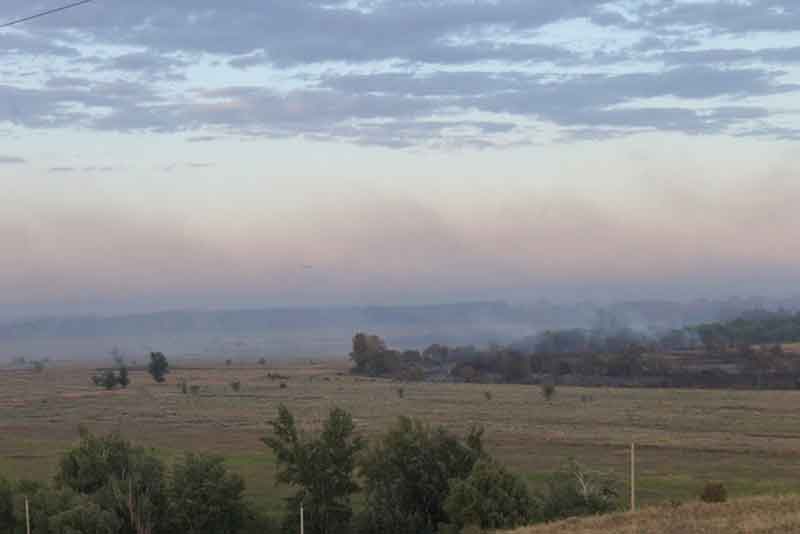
x=633 y=477
x=302 y=526
x=27 y=515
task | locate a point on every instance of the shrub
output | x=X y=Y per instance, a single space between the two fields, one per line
x=401 y=392
x=205 y=497
x=236 y=385
x=408 y=474
x=194 y=389
x=123 y=379
x=283 y=385
x=107 y=379
x=548 y=391
x=262 y=361
x=488 y=395
x=714 y=492
x=158 y=367
x=7 y=520
x=573 y=491
x=490 y=498
x=228 y=362
x=183 y=386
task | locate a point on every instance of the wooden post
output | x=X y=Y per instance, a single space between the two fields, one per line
x=27 y=515
x=633 y=477
x=302 y=526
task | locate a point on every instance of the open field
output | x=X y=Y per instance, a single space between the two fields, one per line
x=750 y=440
x=773 y=515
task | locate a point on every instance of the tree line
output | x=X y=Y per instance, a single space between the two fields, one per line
x=414 y=479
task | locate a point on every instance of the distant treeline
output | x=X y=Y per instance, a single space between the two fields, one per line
x=747 y=350
x=752 y=328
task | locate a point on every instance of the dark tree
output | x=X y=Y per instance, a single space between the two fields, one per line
x=159 y=366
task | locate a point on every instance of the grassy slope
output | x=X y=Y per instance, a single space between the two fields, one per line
x=759 y=515
x=750 y=440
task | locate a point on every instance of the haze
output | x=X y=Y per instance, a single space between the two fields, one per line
x=198 y=154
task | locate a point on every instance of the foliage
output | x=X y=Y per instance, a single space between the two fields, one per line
x=321 y=467
x=7 y=520
x=123 y=379
x=407 y=477
x=573 y=491
x=490 y=497
x=205 y=497
x=63 y=511
x=107 y=379
x=714 y=492
x=548 y=390
x=236 y=385
x=119 y=477
x=158 y=367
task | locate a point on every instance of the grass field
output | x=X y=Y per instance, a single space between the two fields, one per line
x=759 y=515
x=750 y=440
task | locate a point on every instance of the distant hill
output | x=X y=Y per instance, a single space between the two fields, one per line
x=306 y=332
x=773 y=515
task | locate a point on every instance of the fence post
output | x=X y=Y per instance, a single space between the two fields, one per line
x=633 y=477
x=302 y=519
x=27 y=516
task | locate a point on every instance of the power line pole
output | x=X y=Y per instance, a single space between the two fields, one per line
x=27 y=515
x=633 y=477
x=302 y=526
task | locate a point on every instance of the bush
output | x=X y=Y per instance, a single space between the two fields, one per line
x=489 y=498
x=401 y=392
x=183 y=386
x=205 y=497
x=408 y=474
x=228 y=362
x=158 y=367
x=262 y=361
x=283 y=385
x=107 y=379
x=7 y=520
x=573 y=491
x=236 y=385
x=714 y=492
x=548 y=391
x=194 y=389
x=123 y=379
x=488 y=395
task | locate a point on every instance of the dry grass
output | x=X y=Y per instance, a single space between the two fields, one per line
x=749 y=440
x=760 y=515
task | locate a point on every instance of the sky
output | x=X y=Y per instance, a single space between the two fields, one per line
x=205 y=154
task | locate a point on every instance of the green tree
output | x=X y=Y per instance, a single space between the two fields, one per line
x=159 y=366
x=62 y=511
x=205 y=497
x=490 y=498
x=118 y=477
x=408 y=476
x=321 y=467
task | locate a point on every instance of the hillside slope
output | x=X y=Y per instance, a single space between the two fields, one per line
x=773 y=515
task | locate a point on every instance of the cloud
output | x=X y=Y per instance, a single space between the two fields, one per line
x=62 y=170
x=11 y=160
x=387 y=72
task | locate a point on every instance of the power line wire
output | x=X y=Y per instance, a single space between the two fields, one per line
x=44 y=13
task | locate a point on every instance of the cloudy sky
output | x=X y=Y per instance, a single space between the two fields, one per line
x=291 y=152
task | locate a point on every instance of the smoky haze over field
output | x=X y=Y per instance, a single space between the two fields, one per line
x=304 y=332
x=300 y=153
